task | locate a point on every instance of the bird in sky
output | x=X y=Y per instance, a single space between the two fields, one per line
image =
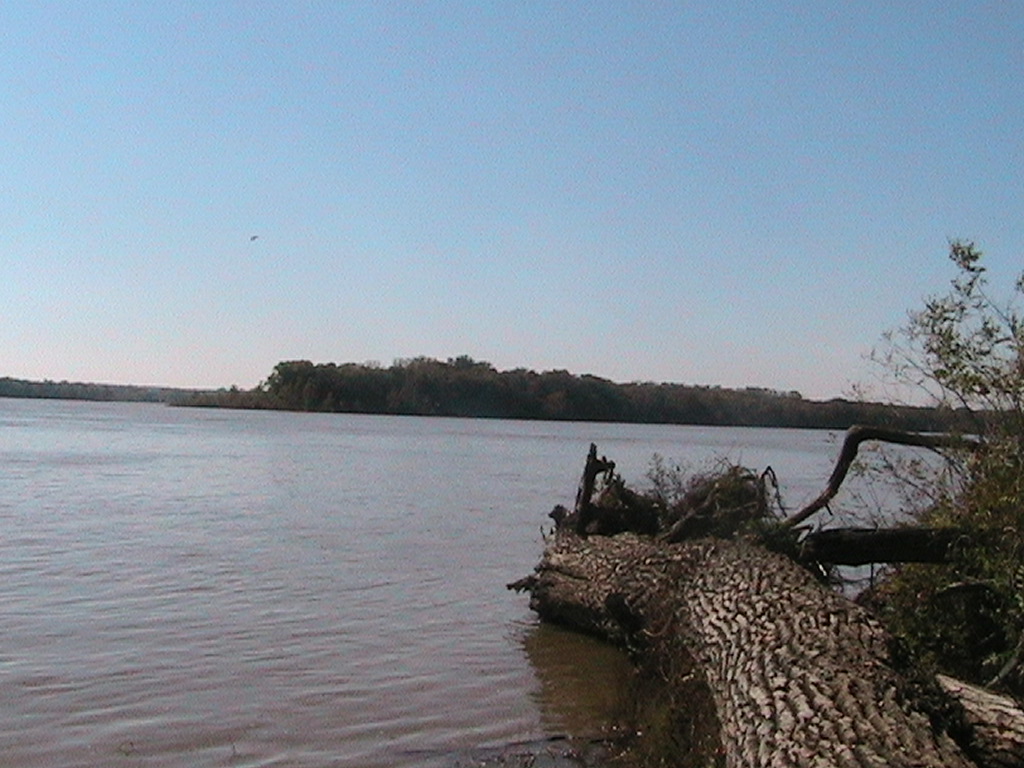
x=253 y=238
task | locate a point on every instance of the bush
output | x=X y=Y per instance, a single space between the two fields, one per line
x=966 y=351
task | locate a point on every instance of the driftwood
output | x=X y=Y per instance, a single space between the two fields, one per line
x=797 y=674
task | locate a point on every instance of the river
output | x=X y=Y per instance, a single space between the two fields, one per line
x=186 y=587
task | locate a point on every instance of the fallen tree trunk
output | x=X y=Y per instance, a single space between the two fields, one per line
x=997 y=723
x=798 y=675
x=794 y=673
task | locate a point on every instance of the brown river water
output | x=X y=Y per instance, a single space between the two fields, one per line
x=183 y=587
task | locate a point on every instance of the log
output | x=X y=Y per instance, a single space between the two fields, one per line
x=860 y=546
x=794 y=674
x=798 y=675
x=860 y=433
x=997 y=723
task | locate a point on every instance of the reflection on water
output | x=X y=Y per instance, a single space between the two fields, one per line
x=583 y=696
x=583 y=681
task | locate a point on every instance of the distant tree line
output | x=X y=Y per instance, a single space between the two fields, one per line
x=466 y=387
x=74 y=390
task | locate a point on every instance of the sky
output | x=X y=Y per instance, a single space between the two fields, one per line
x=717 y=193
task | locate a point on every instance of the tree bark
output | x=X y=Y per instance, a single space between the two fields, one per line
x=798 y=675
x=997 y=723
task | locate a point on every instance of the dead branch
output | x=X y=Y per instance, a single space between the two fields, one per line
x=858 y=434
x=1010 y=664
x=584 y=495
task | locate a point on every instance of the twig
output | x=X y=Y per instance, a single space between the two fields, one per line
x=1010 y=665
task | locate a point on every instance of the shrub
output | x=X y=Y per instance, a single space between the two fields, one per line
x=965 y=350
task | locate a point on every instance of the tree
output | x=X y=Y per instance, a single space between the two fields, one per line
x=965 y=350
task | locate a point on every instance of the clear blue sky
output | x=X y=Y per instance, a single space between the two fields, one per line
x=725 y=193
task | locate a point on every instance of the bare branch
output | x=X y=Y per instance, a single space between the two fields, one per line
x=858 y=434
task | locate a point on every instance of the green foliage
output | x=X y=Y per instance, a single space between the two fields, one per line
x=972 y=345
x=465 y=387
x=966 y=348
